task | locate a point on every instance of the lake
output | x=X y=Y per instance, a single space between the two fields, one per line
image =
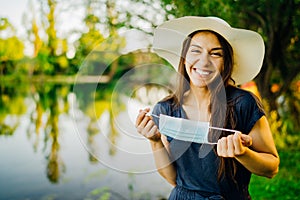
x=64 y=141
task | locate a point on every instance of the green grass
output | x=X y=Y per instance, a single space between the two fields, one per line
x=285 y=185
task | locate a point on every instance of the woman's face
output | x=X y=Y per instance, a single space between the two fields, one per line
x=204 y=59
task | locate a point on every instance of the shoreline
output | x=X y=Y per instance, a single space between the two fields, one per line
x=63 y=79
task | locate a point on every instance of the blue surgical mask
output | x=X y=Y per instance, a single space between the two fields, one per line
x=183 y=129
x=186 y=131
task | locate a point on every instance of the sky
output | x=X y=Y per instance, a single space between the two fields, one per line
x=13 y=10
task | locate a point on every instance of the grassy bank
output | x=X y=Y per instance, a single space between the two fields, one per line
x=285 y=185
x=57 y=79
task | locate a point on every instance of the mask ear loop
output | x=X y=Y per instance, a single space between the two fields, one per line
x=153 y=115
x=223 y=129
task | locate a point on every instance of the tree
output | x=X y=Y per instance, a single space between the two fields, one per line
x=49 y=51
x=11 y=47
x=90 y=39
x=98 y=47
x=56 y=47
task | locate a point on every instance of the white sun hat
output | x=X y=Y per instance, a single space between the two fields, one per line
x=248 y=46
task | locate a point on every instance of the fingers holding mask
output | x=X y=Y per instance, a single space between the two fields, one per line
x=225 y=147
x=140 y=118
x=141 y=121
x=146 y=126
x=231 y=145
x=151 y=131
x=241 y=143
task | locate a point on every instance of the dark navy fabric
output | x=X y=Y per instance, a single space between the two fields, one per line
x=198 y=175
x=180 y=193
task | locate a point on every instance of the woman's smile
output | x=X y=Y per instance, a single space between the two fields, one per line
x=202 y=73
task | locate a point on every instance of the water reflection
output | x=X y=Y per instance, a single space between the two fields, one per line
x=44 y=114
x=11 y=102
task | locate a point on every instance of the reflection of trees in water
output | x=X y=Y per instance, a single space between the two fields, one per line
x=100 y=106
x=96 y=112
x=12 y=105
x=47 y=100
x=6 y=129
x=55 y=164
x=43 y=104
x=36 y=118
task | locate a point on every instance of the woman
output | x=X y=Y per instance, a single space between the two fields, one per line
x=213 y=59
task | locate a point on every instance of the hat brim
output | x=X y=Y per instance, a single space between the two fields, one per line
x=248 y=46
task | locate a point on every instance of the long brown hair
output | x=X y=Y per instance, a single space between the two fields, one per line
x=221 y=111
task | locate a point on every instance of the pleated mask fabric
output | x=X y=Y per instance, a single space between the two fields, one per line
x=184 y=129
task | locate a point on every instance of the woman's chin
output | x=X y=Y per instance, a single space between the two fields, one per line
x=199 y=84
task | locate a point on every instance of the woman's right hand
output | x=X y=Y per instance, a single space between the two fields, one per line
x=146 y=126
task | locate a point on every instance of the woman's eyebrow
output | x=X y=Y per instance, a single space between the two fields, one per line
x=217 y=48
x=213 y=49
x=195 y=45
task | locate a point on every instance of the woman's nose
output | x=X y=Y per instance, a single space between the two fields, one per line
x=203 y=61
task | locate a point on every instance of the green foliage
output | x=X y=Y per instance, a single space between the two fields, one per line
x=7 y=30
x=99 y=194
x=285 y=185
x=288 y=137
x=181 y=8
x=11 y=49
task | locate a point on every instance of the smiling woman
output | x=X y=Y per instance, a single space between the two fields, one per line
x=211 y=60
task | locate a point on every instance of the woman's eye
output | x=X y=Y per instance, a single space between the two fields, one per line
x=217 y=54
x=195 y=50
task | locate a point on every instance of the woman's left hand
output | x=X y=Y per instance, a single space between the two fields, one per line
x=233 y=145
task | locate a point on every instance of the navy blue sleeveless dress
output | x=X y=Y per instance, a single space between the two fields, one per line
x=197 y=177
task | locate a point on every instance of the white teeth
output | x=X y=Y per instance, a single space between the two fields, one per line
x=201 y=72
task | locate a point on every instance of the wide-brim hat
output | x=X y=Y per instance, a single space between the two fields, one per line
x=248 y=46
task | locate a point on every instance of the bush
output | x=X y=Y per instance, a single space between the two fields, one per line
x=285 y=185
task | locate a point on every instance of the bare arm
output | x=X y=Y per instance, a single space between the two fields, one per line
x=262 y=159
x=146 y=127
x=163 y=163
